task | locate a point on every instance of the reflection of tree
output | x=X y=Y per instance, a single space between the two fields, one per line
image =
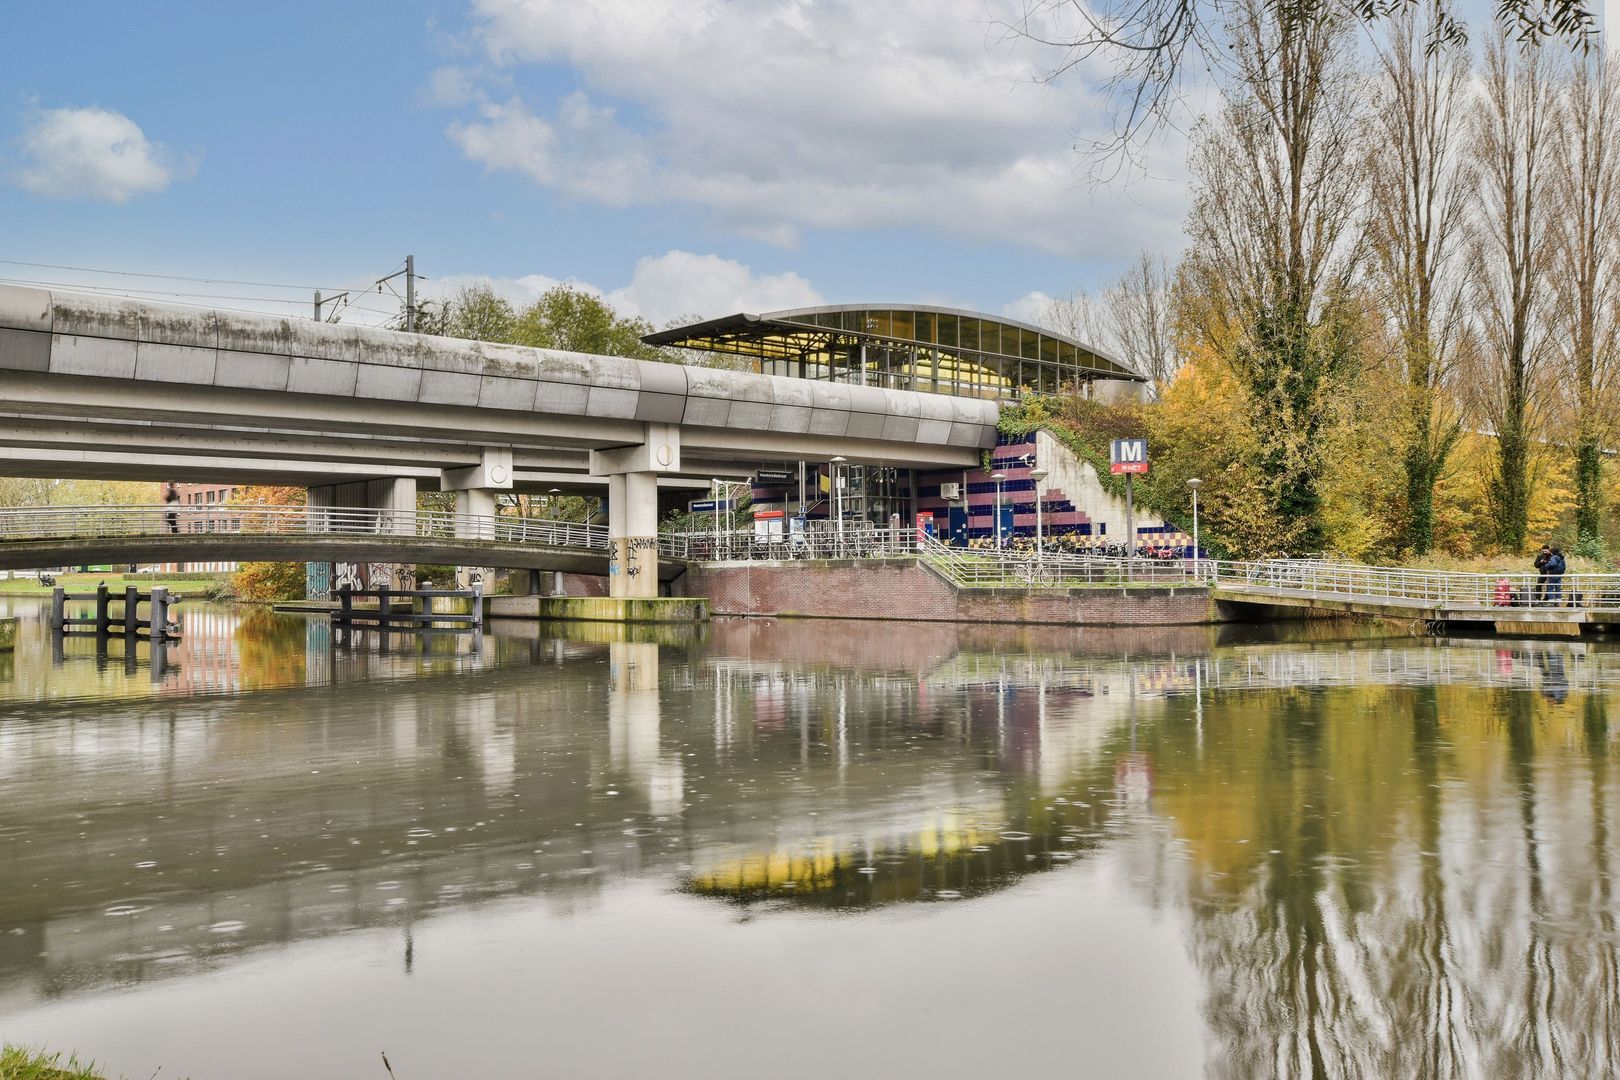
x=1416 y=892
x=270 y=649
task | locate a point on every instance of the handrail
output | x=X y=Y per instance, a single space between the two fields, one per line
x=183 y=519
x=1425 y=589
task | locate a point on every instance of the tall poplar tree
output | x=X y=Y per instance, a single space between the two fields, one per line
x=1277 y=190
x=1586 y=181
x=1418 y=188
x=1512 y=143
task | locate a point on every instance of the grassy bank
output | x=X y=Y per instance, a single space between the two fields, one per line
x=198 y=585
x=16 y=1063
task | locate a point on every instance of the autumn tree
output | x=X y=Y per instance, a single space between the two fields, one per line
x=1512 y=137
x=1586 y=195
x=1275 y=194
x=1419 y=186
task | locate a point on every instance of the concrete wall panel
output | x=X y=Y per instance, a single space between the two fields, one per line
x=615 y=372
x=175 y=363
x=665 y=379
x=96 y=316
x=834 y=422
x=553 y=365
x=611 y=403
x=751 y=415
x=285 y=336
x=933 y=433
x=868 y=399
x=498 y=392
x=791 y=419
x=902 y=403
x=25 y=350
x=450 y=354
x=332 y=378
x=251 y=370
x=968 y=435
x=900 y=428
x=101 y=357
x=448 y=388
x=654 y=408
x=25 y=309
x=708 y=412
x=826 y=395
x=562 y=399
x=865 y=425
x=381 y=382
x=177 y=326
x=794 y=392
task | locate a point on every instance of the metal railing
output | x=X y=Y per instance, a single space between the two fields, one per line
x=182 y=519
x=1419 y=589
x=856 y=542
x=989 y=568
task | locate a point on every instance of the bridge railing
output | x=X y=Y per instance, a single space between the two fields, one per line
x=98 y=522
x=1417 y=588
x=858 y=541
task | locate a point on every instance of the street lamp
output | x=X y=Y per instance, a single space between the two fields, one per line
x=714 y=487
x=998 y=477
x=1038 y=474
x=838 y=495
x=1195 y=484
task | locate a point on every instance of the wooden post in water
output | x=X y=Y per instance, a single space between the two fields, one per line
x=58 y=608
x=345 y=613
x=478 y=604
x=132 y=610
x=385 y=605
x=103 y=613
x=158 y=630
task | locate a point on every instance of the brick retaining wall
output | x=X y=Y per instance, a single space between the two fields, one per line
x=905 y=589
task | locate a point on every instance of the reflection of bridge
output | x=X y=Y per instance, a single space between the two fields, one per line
x=67 y=536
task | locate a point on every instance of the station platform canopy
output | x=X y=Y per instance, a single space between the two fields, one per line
x=932 y=349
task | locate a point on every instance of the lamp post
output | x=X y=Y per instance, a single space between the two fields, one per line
x=838 y=496
x=714 y=490
x=1195 y=483
x=998 y=477
x=1038 y=474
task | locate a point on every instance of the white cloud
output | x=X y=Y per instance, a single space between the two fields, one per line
x=1032 y=307
x=779 y=115
x=94 y=153
x=674 y=285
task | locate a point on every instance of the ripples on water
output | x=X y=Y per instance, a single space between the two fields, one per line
x=1328 y=856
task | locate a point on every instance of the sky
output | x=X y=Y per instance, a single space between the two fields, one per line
x=683 y=159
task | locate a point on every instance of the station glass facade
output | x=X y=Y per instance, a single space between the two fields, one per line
x=934 y=350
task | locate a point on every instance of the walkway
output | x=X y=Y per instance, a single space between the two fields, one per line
x=40 y=537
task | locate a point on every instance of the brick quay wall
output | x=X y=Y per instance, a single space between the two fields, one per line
x=904 y=589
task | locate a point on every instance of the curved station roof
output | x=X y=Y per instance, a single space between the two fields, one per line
x=935 y=349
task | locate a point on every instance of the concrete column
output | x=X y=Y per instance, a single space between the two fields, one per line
x=633 y=534
x=632 y=473
x=475 y=487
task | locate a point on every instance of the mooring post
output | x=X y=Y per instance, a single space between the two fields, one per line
x=132 y=610
x=103 y=610
x=478 y=604
x=345 y=613
x=159 y=629
x=385 y=604
x=58 y=608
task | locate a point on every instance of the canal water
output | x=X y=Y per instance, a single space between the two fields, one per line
x=789 y=849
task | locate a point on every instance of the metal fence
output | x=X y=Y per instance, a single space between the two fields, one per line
x=856 y=541
x=1425 y=589
x=96 y=522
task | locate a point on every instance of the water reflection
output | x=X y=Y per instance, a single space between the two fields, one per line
x=1384 y=856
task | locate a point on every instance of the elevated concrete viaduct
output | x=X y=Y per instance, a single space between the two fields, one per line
x=109 y=388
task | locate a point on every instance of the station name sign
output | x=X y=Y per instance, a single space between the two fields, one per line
x=1128 y=456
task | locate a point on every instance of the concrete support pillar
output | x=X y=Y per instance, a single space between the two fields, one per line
x=475 y=487
x=633 y=534
x=632 y=473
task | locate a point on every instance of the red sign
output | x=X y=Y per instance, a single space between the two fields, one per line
x=1128 y=456
x=1128 y=467
x=758 y=514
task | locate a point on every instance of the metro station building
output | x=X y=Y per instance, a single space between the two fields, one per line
x=934 y=350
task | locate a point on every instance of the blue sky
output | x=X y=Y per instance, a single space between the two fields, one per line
x=683 y=159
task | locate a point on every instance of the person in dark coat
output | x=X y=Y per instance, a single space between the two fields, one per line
x=1540 y=592
x=171 y=504
x=1556 y=566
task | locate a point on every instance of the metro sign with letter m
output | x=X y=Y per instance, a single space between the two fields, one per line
x=1128 y=456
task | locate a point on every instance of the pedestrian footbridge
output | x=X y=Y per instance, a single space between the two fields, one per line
x=1512 y=603
x=41 y=537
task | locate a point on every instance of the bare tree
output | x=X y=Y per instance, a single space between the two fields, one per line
x=1419 y=188
x=1277 y=191
x=1512 y=137
x=1149 y=45
x=1586 y=183
x=1138 y=308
